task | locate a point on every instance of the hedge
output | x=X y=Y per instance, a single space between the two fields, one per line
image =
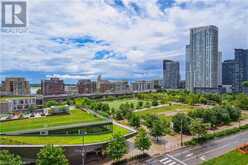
x=211 y=136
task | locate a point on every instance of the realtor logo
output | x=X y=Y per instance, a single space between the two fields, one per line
x=14 y=14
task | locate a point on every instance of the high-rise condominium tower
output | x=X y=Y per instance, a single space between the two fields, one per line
x=202 y=58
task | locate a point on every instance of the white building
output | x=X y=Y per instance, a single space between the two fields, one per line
x=142 y=85
x=202 y=58
x=15 y=104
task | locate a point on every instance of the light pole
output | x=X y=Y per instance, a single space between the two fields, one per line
x=239 y=122
x=181 y=132
x=83 y=148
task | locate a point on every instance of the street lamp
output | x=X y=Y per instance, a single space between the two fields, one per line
x=181 y=131
x=83 y=148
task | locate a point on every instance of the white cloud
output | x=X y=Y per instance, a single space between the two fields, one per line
x=152 y=36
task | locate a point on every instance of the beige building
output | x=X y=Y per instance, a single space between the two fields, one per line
x=15 y=86
x=120 y=86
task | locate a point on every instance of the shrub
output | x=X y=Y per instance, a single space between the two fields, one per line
x=6 y=158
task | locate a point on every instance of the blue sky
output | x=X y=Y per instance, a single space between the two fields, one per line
x=120 y=39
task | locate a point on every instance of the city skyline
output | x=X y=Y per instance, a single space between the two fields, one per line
x=75 y=48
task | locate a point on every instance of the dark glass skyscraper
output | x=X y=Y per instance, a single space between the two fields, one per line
x=228 y=70
x=241 y=69
x=171 y=75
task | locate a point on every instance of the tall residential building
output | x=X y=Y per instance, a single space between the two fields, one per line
x=228 y=70
x=15 y=86
x=202 y=58
x=241 y=69
x=171 y=74
x=54 y=86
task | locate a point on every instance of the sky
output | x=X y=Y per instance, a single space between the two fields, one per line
x=119 y=39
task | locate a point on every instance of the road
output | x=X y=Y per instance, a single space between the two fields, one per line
x=198 y=154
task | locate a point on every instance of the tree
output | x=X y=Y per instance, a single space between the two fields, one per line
x=210 y=116
x=117 y=147
x=51 y=103
x=154 y=103
x=192 y=99
x=105 y=108
x=112 y=110
x=6 y=158
x=140 y=105
x=181 y=120
x=157 y=129
x=223 y=115
x=51 y=155
x=31 y=108
x=234 y=113
x=149 y=119
x=119 y=114
x=198 y=128
x=245 y=84
x=203 y=100
x=38 y=92
x=241 y=101
x=142 y=141
x=134 y=120
x=69 y=101
x=164 y=101
x=147 y=105
x=131 y=106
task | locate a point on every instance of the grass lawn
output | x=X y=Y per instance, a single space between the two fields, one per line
x=231 y=158
x=116 y=103
x=172 y=108
x=76 y=116
x=61 y=139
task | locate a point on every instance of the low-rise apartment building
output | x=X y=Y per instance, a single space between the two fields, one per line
x=16 y=104
x=142 y=85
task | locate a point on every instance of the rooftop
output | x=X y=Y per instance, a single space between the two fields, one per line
x=6 y=98
x=76 y=116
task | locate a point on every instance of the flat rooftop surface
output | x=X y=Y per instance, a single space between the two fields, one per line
x=6 y=98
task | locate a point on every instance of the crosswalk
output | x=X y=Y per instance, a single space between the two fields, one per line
x=170 y=160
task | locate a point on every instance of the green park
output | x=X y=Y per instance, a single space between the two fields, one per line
x=231 y=158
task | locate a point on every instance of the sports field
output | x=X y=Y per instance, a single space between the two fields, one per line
x=168 y=110
x=116 y=103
